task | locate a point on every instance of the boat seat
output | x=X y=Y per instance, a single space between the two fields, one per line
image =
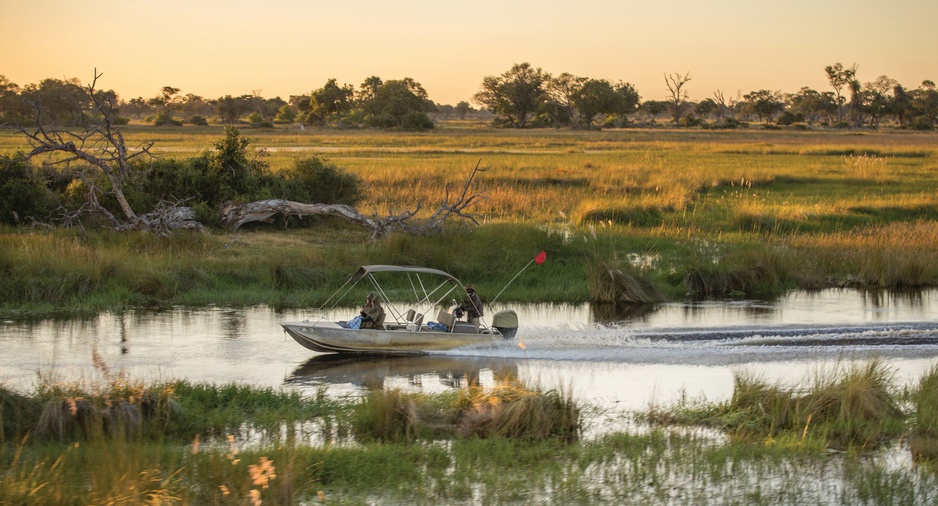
x=418 y=321
x=409 y=315
x=446 y=318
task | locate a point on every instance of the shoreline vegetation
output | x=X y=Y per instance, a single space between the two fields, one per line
x=852 y=434
x=625 y=216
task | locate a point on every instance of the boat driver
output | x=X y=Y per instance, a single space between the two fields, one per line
x=473 y=307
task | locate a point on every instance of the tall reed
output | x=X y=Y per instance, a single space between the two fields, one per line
x=852 y=405
x=924 y=438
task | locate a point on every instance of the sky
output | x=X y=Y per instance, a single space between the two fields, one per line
x=280 y=48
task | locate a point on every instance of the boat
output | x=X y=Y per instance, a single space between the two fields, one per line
x=422 y=325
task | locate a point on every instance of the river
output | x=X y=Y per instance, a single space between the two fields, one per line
x=620 y=358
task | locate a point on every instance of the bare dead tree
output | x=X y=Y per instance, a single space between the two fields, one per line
x=235 y=215
x=98 y=144
x=678 y=100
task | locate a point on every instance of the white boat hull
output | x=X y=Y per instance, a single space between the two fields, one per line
x=330 y=337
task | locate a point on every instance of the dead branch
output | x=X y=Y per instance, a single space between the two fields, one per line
x=235 y=214
x=96 y=142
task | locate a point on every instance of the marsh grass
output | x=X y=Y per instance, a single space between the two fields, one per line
x=622 y=285
x=924 y=437
x=851 y=406
x=509 y=410
x=763 y=462
x=741 y=271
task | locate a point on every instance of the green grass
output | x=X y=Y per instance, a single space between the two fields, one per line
x=853 y=406
x=743 y=213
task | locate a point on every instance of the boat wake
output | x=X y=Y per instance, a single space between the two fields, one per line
x=716 y=345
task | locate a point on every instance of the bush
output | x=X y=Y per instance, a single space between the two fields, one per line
x=922 y=123
x=416 y=121
x=314 y=180
x=22 y=194
x=161 y=118
x=198 y=121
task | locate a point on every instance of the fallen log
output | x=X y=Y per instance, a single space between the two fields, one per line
x=236 y=214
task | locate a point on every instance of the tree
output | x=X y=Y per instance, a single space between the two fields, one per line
x=137 y=108
x=653 y=108
x=838 y=77
x=516 y=95
x=9 y=98
x=330 y=103
x=367 y=92
x=97 y=145
x=286 y=114
x=705 y=107
x=813 y=105
x=230 y=109
x=877 y=98
x=626 y=103
x=594 y=98
x=462 y=109
x=925 y=100
x=677 y=103
x=564 y=91
x=58 y=102
x=726 y=108
x=193 y=105
x=401 y=104
x=763 y=103
x=167 y=100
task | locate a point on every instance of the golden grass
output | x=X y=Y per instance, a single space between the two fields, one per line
x=509 y=409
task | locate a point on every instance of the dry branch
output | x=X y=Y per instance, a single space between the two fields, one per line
x=235 y=215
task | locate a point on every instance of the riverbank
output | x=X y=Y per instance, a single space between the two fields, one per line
x=69 y=272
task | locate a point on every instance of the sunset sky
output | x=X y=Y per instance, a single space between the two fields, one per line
x=289 y=47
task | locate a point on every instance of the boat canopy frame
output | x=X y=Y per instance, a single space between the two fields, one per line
x=424 y=293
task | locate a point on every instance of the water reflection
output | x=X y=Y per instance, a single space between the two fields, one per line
x=376 y=370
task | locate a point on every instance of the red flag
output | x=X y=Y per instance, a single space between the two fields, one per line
x=539 y=259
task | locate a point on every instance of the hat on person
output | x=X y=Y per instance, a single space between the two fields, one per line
x=470 y=288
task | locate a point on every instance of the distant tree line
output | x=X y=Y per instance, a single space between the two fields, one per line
x=521 y=97
x=525 y=96
x=400 y=104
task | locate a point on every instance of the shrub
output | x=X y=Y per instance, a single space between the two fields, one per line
x=315 y=180
x=22 y=194
x=161 y=118
x=788 y=118
x=198 y=121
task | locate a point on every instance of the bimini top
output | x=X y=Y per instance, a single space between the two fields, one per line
x=371 y=269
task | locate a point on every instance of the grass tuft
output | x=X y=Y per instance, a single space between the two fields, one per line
x=611 y=285
x=924 y=438
x=508 y=410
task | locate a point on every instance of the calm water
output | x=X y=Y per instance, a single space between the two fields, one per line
x=623 y=358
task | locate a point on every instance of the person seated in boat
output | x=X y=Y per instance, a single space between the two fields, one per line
x=372 y=314
x=473 y=306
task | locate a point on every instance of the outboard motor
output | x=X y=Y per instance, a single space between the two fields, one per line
x=506 y=323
